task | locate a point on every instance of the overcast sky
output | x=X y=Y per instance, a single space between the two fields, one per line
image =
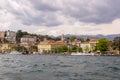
x=56 y=17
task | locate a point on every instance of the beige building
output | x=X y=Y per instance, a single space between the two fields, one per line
x=6 y=47
x=89 y=46
x=93 y=43
x=46 y=45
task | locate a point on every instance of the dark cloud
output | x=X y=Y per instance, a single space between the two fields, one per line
x=43 y=5
x=43 y=20
x=94 y=11
x=46 y=12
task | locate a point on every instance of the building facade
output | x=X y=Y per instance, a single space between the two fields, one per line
x=89 y=46
x=28 y=41
x=11 y=36
x=46 y=46
x=93 y=43
x=85 y=46
x=2 y=36
x=76 y=42
x=6 y=47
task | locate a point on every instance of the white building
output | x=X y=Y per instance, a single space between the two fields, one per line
x=89 y=46
x=85 y=46
x=93 y=43
x=76 y=42
x=28 y=41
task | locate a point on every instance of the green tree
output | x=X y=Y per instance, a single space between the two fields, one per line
x=20 y=34
x=57 y=39
x=18 y=48
x=80 y=49
x=62 y=49
x=74 y=48
x=33 y=49
x=6 y=41
x=87 y=49
x=81 y=39
x=103 y=45
x=72 y=38
x=116 y=44
x=87 y=39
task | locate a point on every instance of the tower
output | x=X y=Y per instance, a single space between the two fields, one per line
x=62 y=38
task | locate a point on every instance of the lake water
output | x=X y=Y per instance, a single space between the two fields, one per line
x=58 y=67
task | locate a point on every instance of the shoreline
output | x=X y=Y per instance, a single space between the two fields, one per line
x=65 y=54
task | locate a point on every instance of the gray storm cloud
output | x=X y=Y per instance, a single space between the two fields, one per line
x=47 y=12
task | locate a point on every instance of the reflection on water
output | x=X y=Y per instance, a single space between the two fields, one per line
x=54 y=67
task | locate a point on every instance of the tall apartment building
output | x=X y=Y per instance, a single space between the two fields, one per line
x=11 y=36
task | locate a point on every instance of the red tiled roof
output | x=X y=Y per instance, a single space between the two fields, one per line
x=93 y=40
x=60 y=43
x=85 y=43
x=52 y=42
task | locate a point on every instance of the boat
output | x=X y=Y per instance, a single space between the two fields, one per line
x=15 y=53
x=83 y=54
x=25 y=52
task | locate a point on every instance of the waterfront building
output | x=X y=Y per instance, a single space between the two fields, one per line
x=6 y=47
x=93 y=43
x=85 y=46
x=46 y=45
x=89 y=46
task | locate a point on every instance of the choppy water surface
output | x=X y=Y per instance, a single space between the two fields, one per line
x=54 y=67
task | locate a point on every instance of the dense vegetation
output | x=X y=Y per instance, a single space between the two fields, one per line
x=103 y=45
x=18 y=48
x=116 y=44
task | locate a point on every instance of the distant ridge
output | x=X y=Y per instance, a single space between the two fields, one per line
x=110 y=37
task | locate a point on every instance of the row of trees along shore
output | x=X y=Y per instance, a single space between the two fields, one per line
x=104 y=46
x=108 y=47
